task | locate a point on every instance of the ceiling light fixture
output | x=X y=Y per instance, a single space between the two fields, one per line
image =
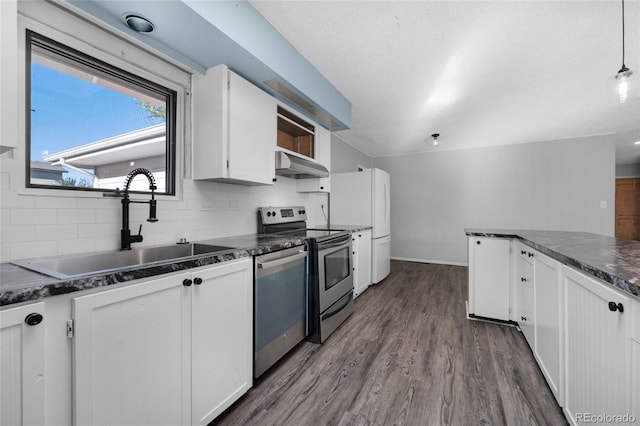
x=624 y=73
x=435 y=137
x=637 y=143
x=138 y=23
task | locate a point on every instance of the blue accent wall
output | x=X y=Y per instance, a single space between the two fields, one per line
x=202 y=34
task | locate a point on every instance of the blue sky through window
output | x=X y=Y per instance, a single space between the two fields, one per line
x=68 y=111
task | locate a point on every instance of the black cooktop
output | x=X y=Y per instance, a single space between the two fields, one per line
x=315 y=234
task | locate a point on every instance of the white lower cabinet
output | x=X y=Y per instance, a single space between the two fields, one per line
x=361 y=245
x=222 y=338
x=584 y=334
x=22 y=365
x=635 y=378
x=525 y=296
x=169 y=351
x=635 y=361
x=489 y=277
x=597 y=345
x=548 y=324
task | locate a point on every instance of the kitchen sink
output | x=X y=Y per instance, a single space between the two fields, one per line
x=73 y=266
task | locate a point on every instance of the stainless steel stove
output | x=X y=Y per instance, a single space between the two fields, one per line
x=329 y=272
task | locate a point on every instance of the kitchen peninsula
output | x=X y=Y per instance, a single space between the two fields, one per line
x=576 y=298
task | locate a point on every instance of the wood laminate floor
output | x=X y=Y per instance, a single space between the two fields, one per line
x=407 y=356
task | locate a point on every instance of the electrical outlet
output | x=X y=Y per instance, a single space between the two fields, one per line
x=234 y=204
x=207 y=204
x=603 y=204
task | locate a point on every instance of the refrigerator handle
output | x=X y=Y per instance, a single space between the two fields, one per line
x=387 y=202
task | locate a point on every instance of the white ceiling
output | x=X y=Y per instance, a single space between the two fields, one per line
x=479 y=73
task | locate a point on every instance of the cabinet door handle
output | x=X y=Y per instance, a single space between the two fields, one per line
x=478 y=242
x=197 y=281
x=523 y=252
x=523 y=279
x=33 y=319
x=187 y=282
x=613 y=306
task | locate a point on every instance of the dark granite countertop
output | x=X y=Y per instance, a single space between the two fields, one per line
x=18 y=284
x=613 y=260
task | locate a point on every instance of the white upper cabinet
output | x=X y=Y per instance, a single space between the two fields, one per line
x=9 y=74
x=234 y=129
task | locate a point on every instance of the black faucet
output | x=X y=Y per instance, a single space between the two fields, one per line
x=125 y=234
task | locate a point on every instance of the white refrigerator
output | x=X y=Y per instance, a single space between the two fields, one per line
x=363 y=198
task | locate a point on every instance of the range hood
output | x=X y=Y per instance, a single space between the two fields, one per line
x=292 y=166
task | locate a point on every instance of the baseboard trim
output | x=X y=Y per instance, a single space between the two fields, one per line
x=473 y=317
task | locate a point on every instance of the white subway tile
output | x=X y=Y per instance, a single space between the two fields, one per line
x=5 y=217
x=92 y=230
x=80 y=245
x=33 y=216
x=108 y=215
x=5 y=252
x=33 y=249
x=56 y=232
x=12 y=165
x=5 y=181
x=107 y=243
x=18 y=233
x=13 y=200
x=55 y=203
x=98 y=203
x=76 y=216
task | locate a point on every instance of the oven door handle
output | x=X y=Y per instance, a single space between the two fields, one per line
x=289 y=259
x=341 y=242
x=337 y=310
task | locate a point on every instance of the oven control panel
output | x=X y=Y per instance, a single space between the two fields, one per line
x=274 y=215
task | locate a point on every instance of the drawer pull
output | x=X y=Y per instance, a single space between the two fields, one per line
x=613 y=306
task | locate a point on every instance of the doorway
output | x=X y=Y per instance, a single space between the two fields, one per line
x=628 y=208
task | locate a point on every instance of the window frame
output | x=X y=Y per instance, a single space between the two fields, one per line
x=89 y=62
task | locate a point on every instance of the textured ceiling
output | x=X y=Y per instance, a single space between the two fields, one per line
x=479 y=73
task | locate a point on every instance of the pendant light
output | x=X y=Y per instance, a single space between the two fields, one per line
x=624 y=73
x=435 y=138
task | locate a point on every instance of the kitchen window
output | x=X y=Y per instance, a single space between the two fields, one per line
x=89 y=123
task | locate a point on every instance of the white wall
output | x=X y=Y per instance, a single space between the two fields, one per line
x=552 y=185
x=345 y=158
x=627 y=170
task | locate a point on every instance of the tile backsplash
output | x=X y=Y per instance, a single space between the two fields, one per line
x=41 y=224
